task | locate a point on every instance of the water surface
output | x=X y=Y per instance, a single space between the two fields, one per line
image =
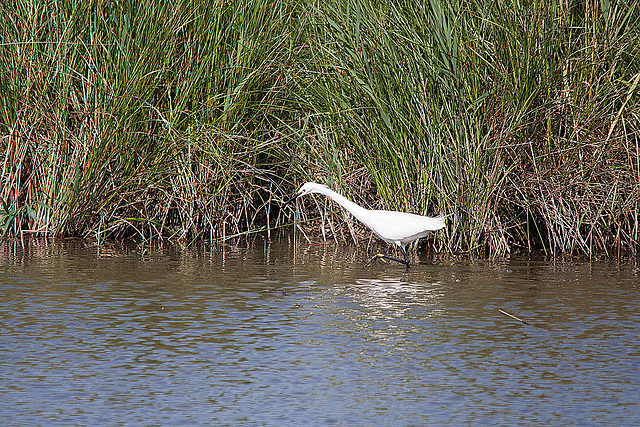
x=279 y=333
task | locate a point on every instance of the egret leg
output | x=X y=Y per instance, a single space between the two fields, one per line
x=390 y=258
x=406 y=258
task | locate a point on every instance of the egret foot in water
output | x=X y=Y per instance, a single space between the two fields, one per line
x=382 y=257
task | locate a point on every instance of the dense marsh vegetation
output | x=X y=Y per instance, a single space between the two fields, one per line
x=518 y=119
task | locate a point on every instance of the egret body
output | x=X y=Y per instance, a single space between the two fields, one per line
x=395 y=228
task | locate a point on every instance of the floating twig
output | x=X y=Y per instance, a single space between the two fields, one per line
x=512 y=316
x=281 y=291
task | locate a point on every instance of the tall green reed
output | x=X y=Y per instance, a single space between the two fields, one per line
x=519 y=120
x=146 y=117
x=495 y=113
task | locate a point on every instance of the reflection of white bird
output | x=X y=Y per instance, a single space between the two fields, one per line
x=396 y=228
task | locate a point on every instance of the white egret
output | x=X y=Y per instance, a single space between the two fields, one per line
x=395 y=228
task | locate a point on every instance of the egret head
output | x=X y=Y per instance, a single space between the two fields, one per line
x=309 y=187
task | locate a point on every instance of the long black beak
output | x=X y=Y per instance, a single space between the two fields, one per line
x=291 y=199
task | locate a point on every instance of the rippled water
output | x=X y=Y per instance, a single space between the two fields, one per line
x=276 y=334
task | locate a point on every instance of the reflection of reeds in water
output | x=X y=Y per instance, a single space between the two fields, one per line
x=192 y=121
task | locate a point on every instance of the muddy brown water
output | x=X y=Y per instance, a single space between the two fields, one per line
x=282 y=334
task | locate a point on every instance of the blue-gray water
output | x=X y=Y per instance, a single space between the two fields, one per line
x=278 y=335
